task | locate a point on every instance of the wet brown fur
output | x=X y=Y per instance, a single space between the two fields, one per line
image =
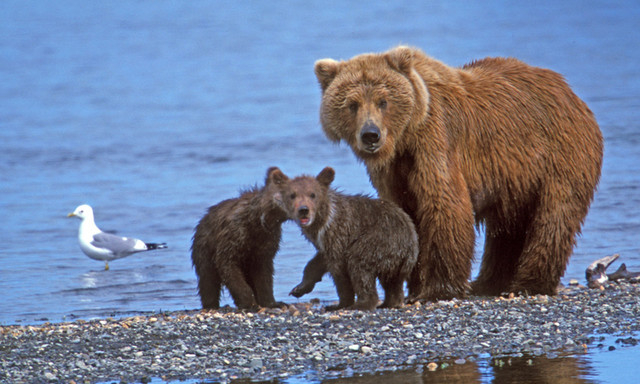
x=234 y=246
x=358 y=240
x=496 y=142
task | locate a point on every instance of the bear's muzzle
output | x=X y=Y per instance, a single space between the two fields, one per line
x=370 y=136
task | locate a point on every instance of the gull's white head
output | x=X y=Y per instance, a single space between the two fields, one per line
x=83 y=211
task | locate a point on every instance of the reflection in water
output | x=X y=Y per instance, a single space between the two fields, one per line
x=525 y=369
x=541 y=370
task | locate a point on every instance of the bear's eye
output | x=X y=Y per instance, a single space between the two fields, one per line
x=313 y=195
x=292 y=196
x=382 y=104
x=353 y=107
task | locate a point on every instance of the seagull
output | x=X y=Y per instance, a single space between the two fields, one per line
x=104 y=246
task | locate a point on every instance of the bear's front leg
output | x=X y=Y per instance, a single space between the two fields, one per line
x=240 y=290
x=313 y=272
x=445 y=227
x=261 y=281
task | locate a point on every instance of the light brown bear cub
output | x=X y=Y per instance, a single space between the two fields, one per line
x=495 y=142
x=358 y=239
x=234 y=246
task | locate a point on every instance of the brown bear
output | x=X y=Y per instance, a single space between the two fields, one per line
x=234 y=245
x=358 y=240
x=497 y=143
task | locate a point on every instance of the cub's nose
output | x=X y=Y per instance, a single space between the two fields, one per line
x=370 y=134
x=303 y=211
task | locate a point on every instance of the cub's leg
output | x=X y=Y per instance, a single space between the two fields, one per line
x=209 y=287
x=239 y=288
x=346 y=294
x=364 y=285
x=393 y=292
x=313 y=272
x=261 y=280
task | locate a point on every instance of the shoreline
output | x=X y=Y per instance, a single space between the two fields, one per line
x=272 y=344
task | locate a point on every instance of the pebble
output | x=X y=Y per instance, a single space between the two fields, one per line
x=273 y=344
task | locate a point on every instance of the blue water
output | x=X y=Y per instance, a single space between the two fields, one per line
x=151 y=111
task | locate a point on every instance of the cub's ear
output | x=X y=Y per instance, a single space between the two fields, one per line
x=401 y=58
x=275 y=175
x=326 y=70
x=325 y=177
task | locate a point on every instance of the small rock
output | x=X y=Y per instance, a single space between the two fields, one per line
x=255 y=363
x=354 y=347
x=460 y=361
x=432 y=366
x=366 y=349
x=50 y=376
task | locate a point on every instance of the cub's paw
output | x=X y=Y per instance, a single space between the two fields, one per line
x=300 y=290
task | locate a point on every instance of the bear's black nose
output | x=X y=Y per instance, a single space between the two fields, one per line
x=303 y=211
x=370 y=134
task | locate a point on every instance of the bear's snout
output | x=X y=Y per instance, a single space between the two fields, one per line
x=303 y=215
x=303 y=211
x=370 y=135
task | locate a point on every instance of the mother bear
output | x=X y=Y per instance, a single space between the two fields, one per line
x=497 y=143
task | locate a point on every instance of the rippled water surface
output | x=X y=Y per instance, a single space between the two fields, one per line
x=151 y=111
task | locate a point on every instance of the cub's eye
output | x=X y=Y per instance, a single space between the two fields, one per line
x=292 y=196
x=382 y=104
x=353 y=107
x=313 y=195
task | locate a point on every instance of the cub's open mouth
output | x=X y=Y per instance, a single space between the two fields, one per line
x=372 y=148
x=304 y=221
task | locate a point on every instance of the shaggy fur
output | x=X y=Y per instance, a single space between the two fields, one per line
x=496 y=142
x=234 y=245
x=358 y=240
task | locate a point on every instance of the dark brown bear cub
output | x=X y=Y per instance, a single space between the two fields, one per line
x=234 y=245
x=358 y=240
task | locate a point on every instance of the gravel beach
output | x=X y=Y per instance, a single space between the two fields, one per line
x=279 y=343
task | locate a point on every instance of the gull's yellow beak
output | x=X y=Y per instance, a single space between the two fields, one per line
x=71 y=214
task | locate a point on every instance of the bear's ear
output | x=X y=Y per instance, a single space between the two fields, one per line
x=275 y=175
x=401 y=59
x=326 y=70
x=325 y=177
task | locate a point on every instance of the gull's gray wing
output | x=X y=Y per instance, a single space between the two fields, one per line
x=116 y=244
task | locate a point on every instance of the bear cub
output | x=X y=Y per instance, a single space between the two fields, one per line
x=234 y=245
x=358 y=239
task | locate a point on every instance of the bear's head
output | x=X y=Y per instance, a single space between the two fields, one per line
x=370 y=100
x=273 y=187
x=305 y=199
